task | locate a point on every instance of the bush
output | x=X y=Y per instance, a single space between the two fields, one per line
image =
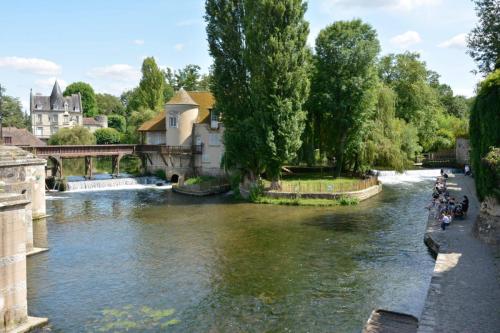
x=105 y=136
x=485 y=132
x=72 y=136
x=256 y=192
x=199 y=180
x=160 y=173
x=117 y=122
x=348 y=201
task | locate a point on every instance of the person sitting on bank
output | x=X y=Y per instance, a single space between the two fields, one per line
x=445 y=221
x=465 y=204
x=467 y=170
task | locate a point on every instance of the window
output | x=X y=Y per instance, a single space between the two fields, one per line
x=7 y=140
x=39 y=118
x=214 y=116
x=213 y=139
x=66 y=119
x=77 y=119
x=54 y=129
x=55 y=118
x=65 y=106
x=39 y=131
x=172 y=122
x=204 y=158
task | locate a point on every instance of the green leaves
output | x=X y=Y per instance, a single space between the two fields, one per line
x=260 y=79
x=72 y=136
x=89 y=103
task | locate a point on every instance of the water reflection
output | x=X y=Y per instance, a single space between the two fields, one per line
x=231 y=267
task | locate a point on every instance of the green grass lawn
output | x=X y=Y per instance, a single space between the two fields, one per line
x=307 y=202
x=199 y=180
x=316 y=182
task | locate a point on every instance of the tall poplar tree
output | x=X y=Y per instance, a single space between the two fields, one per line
x=259 y=79
x=150 y=93
x=345 y=84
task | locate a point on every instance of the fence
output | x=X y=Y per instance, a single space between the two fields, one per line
x=326 y=187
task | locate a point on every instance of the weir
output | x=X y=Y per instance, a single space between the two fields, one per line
x=116 y=183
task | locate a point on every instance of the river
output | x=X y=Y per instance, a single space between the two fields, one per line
x=152 y=259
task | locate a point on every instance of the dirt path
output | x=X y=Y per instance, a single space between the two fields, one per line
x=464 y=294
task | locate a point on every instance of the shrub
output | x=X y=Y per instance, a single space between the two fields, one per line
x=105 y=136
x=160 y=173
x=117 y=122
x=72 y=136
x=348 y=201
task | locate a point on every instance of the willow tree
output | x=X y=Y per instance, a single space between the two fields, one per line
x=260 y=80
x=345 y=84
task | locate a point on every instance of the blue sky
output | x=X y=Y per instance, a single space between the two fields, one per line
x=104 y=42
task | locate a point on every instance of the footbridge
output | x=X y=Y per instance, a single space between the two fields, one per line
x=116 y=151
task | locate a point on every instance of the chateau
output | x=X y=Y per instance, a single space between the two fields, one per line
x=189 y=133
x=50 y=113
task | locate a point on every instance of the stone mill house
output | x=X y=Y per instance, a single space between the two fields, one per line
x=189 y=134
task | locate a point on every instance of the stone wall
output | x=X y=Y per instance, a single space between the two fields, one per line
x=487 y=225
x=462 y=151
x=13 y=292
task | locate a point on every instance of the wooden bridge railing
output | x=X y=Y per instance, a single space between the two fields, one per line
x=111 y=150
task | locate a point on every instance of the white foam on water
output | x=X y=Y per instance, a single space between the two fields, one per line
x=138 y=183
x=409 y=176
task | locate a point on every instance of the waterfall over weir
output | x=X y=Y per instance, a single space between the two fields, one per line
x=117 y=184
x=409 y=176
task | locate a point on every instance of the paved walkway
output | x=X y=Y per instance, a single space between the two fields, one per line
x=464 y=294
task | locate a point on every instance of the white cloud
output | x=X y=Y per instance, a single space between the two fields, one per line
x=138 y=41
x=456 y=42
x=117 y=72
x=31 y=65
x=45 y=85
x=406 y=39
x=467 y=92
x=405 y=5
x=179 y=47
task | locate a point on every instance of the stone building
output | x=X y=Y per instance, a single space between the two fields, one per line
x=189 y=133
x=22 y=173
x=20 y=137
x=50 y=113
x=95 y=123
x=462 y=151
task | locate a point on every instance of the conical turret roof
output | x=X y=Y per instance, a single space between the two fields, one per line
x=181 y=97
x=56 y=97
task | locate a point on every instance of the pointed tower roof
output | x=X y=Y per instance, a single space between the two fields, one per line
x=56 y=97
x=181 y=97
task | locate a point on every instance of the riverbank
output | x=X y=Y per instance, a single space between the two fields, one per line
x=464 y=293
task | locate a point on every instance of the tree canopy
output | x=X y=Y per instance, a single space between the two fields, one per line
x=260 y=80
x=484 y=39
x=89 y=102
x=72 y=136
x=150 y=93
x=12 y=112
x=108 y=104
x=344 y=84
x=105 y=136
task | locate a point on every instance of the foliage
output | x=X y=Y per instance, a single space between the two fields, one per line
x=89 y=102
x=259 y=80
x=118 y=122
x=343 y=201
x=105 y=136
x=188 y=78
x=140 y=320
x=150 y=93
x=199 y=180
x=390 y=141
x=484 y=39
x=344 y=85
x=160 y=173
x=108 y=104
x=485 y=132
x=72 y=136
x=135 y=120
x=12 y=112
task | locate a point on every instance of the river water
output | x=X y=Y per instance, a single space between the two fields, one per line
x=151 y=260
